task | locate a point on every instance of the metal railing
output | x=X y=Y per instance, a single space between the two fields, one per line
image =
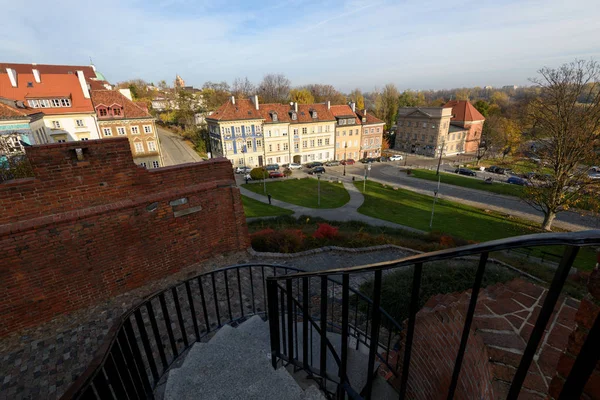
x=285 y=303
x=144 y=343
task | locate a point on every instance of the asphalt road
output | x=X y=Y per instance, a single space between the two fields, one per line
x=390 y=173
x=175 y=150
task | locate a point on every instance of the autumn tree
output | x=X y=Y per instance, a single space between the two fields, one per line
x=386 y=104
x=323 y=93
x=357 y=97
x=242 y=88
x=482 y=106
x=215 y=94
x=565 y=121
x=409 y=98
x=274 y=88
x=301 y=96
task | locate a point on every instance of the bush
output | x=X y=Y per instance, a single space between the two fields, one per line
x=258 y=173
x=284 y=241
x=325 y=231
x=287 y=172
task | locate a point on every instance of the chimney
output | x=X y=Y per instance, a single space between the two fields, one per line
x=83 y=84
x=12 y=75
x=296 y=106
x=233 y=100
x=36 y=75
x=353 y=106
x=328 y=105
x=256 y=101
x=126 y=93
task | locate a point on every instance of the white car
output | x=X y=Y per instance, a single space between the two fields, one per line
x=396 y=157
x=295 y=166
x=243 y=170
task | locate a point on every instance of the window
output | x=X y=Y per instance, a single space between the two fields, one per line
x=295 y=131
x=143 y=164
x=56 y=124
x=372 y=130
x=222 y=129
x=241 y=161
x=378 y=130
x=423 y=138
x=430 y=139
x=274 y=117
x=278 y=147
x=432 y=126
x=155 y=164
x=342 y=122
x=248 y=129
x=84 y=138
x=338 y=133
x=294 y=116
x=284 y=133
x=250 y=160
x=259 y=143
x=320 y=129
x=314 y=114
x=249 y=145
x=151 y=145
x=337 y=145
x=55 y=102
x=65 y=102
x=319 y=142
x=424 y=124
x=343 y=133
x=229 y=146
x=102 y=112
x=116 y=111
x=304 y=144
x=366 y=130
x=453 y=136
x=49 y=103
x=326 y=128
x=304 y=131
x=258 y=128
x=139 y=147
x=350 y=132
x=285 y=146
x=79 y=123
x=296 y=146
x=135 y=130
x=238 y=129
x=366 y=142
x=312 y=129
x=120 y=130
x=371 y=141
x=270 y=147
x=107 y=131
x=312 y=143
x=268 y=133
x=147 y=128
x=327 y=142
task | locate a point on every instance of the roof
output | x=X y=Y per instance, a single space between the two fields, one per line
x=423 y=112
x=241 y=110
x=93 y=77
x=283 y=112
x=371 y=119
x=344 y=110
x=110 y=97
x=463 y=110
x=323 y=114
x=12 y=112
x=51 y=85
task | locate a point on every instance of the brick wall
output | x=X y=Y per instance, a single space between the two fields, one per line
x=473 y=137
x=585 y=317
x=82 y=231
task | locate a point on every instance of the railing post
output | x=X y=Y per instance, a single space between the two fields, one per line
x=414 y=305
x=345 y=311
x=305 y=315
x=468 y=320
x=290 y=320
x=374 y=333
x=540 y=325
x=323 y=354
x=273 y=320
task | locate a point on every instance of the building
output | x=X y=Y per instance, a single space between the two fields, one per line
x=466 y=118
x=372 y=134
x=347 y=132
x=119 y=116
x=452 y=129
x=60 y=93
x=253 y=134
x=20 y=126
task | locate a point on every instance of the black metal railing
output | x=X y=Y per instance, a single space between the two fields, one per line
x=314 y=305
x=144 y=343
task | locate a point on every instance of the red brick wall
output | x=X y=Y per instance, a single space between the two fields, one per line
x=83 y=231
x=585 y=317
x=473 y=137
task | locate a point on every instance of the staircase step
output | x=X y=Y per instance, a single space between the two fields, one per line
x=382 y=390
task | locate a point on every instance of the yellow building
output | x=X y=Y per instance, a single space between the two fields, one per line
x=347 y=132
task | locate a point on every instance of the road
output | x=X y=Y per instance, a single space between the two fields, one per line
x=390 y=173
x=175 y=150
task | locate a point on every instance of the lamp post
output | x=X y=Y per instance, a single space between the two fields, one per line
x=367 y=168
x=437 y=172
x=345 y=148
x=435 y=196
x=318 y=190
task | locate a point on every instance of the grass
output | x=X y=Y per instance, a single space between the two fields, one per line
x=462 y=221
x=255 y=208
x=303 y=192
x=471 y=183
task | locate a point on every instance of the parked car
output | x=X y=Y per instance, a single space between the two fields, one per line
x=272 y=167
x=317 y=170
x=276 y=174
x=368 y=160
x=515 y=180
x=348 y=161
x=496 y=170
x=243 y=170
x=295 y=166
x=465 y=171
x=332 y=163
x=384 y=159
x=314 y=164
x=396 y=157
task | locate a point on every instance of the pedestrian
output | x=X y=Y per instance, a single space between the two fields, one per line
x=246 y=179
x=269 y=196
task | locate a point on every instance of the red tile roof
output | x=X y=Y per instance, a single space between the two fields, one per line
x=283 y=112
x=110 y=97
x=464 y=111
x=344 y=111
x=371 y=119
x=241 y=110
x=51 y=85
x=12 y=112
x=323 y=114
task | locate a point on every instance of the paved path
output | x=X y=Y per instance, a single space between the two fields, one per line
x=348 y=212
x=175 y=150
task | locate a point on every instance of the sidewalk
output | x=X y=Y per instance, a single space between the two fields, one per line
x=348 y=212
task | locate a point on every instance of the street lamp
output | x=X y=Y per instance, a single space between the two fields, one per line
x=440 y=159
x=345 y=148
x=367 y=168
x=318 y=190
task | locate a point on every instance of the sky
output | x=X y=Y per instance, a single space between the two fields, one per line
x=419 y=45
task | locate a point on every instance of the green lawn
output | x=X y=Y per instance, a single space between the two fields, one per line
x=469 y=223
x=471 y=183
x=255 y=208
x=303 y=192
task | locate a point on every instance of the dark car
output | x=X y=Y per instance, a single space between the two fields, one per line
x=348 y=162
x=515 y=180
x=314 y=164
x=465 y=171
x=332 y=163
x=496 y=170
x=369 y=160
x=272 y=167
x=276 y=174
x=384 y=159
x=317 y=170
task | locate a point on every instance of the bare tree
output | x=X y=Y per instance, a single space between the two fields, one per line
x=565 y=121
x=242 y=87
x=274 y=88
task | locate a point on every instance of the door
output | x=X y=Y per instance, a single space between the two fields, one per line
x=260 y=161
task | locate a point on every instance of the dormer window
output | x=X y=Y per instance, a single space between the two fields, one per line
x=314 y=114
x=294 y=116
x=102 y=112
x=350 y=121
x=274 y=116
x=116 y=111
x=342 y=122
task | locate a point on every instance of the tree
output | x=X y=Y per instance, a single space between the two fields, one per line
x=242 y=88
x=482 y=106
x=490 y=138
x=565 y=122
x=274 y=88
x=387 y=104
x=408 y=98
x=138 y=87
x=357 y=97
x=215 y=94
x=463 y=94
x=510 y=135
x=301 y=96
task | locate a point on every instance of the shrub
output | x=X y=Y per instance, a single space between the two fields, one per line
x=325 y=231
x=284 y=241
x=258 y=173
x=287 y=172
